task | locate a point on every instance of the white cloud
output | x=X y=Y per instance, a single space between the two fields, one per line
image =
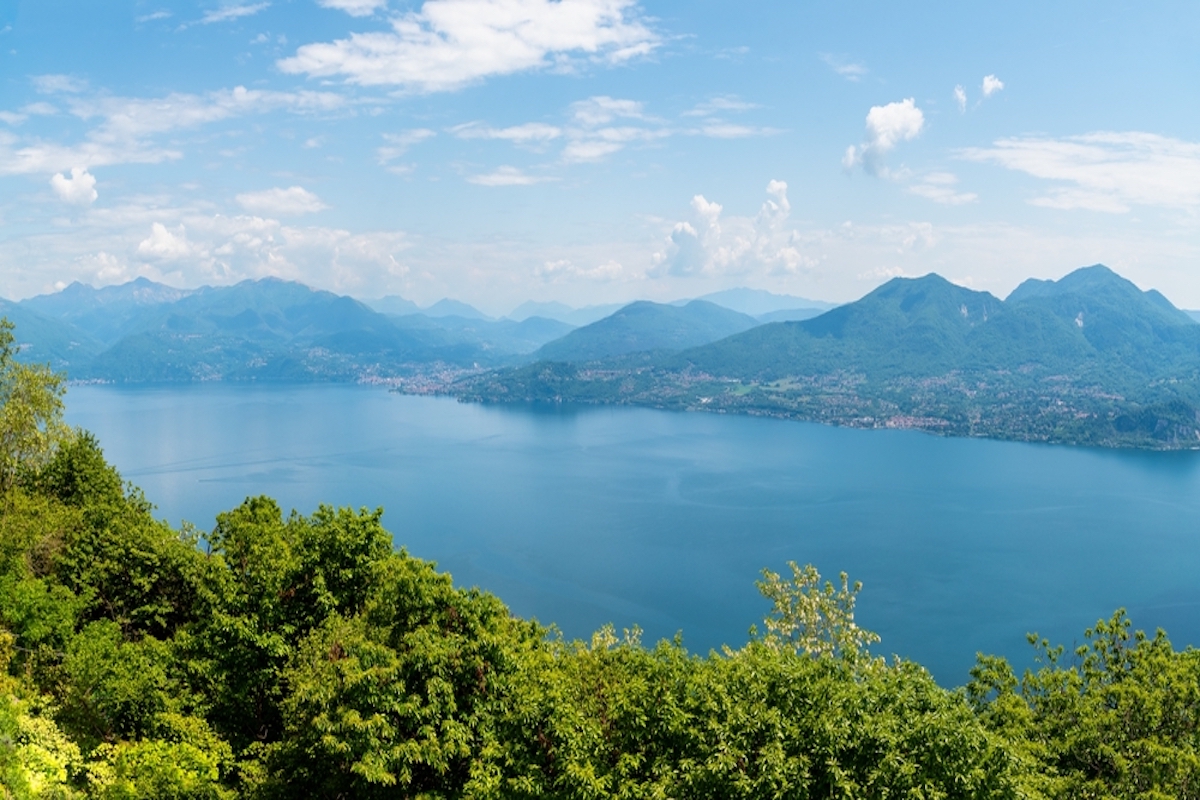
x=289 y=202
x=126 y=126
x=602 y=110
x=886 y=127
x=991 y=85
x=960 y=97
x=80 y=188
x=506 y=176
x=1104 y=171
x=355 y=8
x=157 y=15
x=719 y=104
x=165 y=245
x=593 y=137
x=728 y=130
x=734 y=245
x=232 y=12
x=398 y=143
x=448 y=44
x=518 y=134
x=27 y=111
x=940 y=188
x=849 y=70
x=563 y=268
x=58 y=84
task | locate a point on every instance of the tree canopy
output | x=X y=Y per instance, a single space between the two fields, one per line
x=284 y=655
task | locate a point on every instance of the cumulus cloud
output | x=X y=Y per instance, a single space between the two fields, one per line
x=960 y=97
x=229 y=13
x=355 y=8
x=289 y=202
x=448 y=44
x=165 y=245
x=940 y=188
x=710 y=244
x=1104 y=171
x=79 y=188
x=991 y=85
x=506 y=176
x=886 y=127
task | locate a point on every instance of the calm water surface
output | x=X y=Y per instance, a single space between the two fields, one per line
x=587 y=516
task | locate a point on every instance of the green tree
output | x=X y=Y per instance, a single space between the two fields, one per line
x=1118 y=718
x=812 y=618
x=31 y=411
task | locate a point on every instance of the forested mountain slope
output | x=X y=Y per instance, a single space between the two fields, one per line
x=1087 y=359
x=644 y=326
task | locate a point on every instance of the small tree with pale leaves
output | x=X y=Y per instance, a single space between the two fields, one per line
x=813 y=618
x=31 y=411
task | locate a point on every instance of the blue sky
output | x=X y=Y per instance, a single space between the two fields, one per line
x=595 y=151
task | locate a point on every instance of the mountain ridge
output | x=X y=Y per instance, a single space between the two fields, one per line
x=1087 y=359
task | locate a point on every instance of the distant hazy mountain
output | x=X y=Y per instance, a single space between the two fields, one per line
x=1088 y=359
x=757 y=302
x=646 y=326
x=266 y=329
x=108 y=313
x=453 y=308
x=503 y=336
x=789 y=315
x=564 y=313
x=41 y=339
x=393 y=304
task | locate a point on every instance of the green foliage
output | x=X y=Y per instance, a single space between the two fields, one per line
x=37 y=759
x=811 y=618
x=31 y=410
x=1119 y=718
x=644 y=326
x=305 y=656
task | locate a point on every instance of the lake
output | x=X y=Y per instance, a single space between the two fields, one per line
x=581 y=516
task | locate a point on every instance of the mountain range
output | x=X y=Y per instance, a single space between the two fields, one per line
x=271 y=329
x=1089 y=358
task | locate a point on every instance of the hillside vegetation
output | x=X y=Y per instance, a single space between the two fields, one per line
x=1089 y=359
x=283 y=655
x=645 y=326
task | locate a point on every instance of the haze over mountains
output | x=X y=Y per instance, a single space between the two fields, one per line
x=272 y=329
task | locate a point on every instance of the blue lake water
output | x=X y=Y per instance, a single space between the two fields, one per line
x=592 y=515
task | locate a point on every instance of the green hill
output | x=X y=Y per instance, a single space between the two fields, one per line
x=1086 y=359
x=645 y=326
